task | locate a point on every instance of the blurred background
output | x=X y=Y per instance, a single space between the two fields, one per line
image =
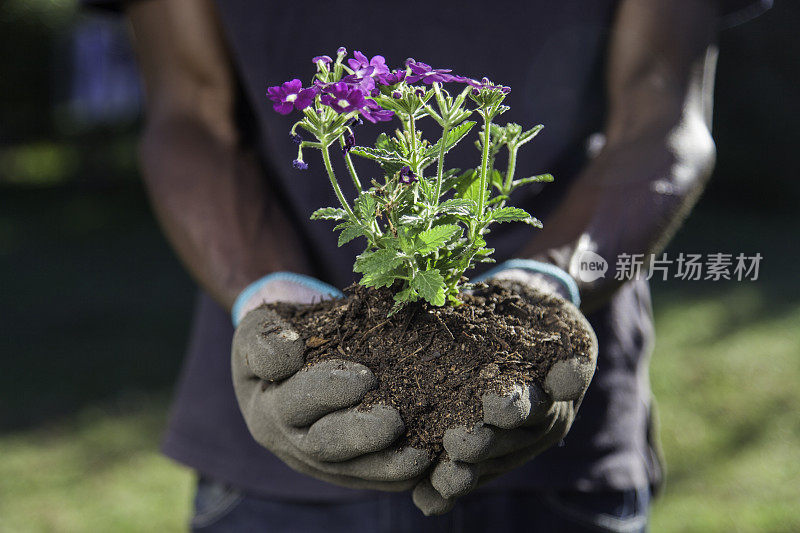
x=94 y=308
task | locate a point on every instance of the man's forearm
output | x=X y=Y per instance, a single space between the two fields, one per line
x=207 y=189
x=212 y=203
x=659 y=152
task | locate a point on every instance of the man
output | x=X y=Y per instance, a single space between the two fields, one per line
x=215 y=161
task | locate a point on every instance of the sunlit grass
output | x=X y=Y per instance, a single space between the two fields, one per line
x=725 y=371
x=99 y=472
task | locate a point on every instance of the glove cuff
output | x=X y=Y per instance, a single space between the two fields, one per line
x=567 y=287
x=287 y=286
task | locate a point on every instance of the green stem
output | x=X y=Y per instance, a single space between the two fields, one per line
x=326 y=157
x=440 y=166
x=352 y=170
x=512 y=165
x=413 y=130
x=484 y=164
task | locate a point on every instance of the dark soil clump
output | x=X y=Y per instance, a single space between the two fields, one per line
x=434 y=363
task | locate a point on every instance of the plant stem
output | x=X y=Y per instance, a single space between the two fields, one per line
x=352 y=170
x=512 y=165
x=440 y=166
x=326 y=158
x=487 y=122
x=413 y=130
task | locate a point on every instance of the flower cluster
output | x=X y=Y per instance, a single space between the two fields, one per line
x=423 y=228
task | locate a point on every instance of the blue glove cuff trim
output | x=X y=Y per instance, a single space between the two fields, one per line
x=540 y=268
x=306 y=281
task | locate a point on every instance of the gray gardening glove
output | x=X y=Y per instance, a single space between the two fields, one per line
x=516 y=426
x=305 y=415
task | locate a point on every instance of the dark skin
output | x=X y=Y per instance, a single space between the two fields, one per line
x=228 y=229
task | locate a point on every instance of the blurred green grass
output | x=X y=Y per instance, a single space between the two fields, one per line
x=85 y=391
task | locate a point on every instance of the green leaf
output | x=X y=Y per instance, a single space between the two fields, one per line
x=365 y=206
x=411 y=220
x=513 y=214
x=329 y=213
x=377 y=262
x=496 y=178
x=453 y=137
x=432 y=239
x=471 y=189
x=376 y=154
x=430 y=285
x=349 y=233
x=529 y=135
x=379 y=279
x=457 y=206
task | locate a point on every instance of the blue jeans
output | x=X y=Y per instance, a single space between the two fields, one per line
x=223 y=509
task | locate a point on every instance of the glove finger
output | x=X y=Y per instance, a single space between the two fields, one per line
x=513 y=408
x=468 y=445
x=321 y=388
x=397 y=463
x=267 y=346
x=568 y=379
x=346 y=434
x=428 y=499
x=453 y=479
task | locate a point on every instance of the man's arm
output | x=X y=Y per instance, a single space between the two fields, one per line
x=658 y=152
x=206 y=188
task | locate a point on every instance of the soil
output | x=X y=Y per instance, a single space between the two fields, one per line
x=434 y=363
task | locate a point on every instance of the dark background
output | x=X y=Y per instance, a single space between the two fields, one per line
x=94 y=306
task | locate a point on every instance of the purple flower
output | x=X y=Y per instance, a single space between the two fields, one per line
x=344 y=98
x=325 y=59
x=342 y=51
x=391 y=78
x=361 y=65
x=407 y=176
x=375 y=113
x=291 y=95
x=428 y=74
x=295 y=138
x=300 y=164
x=397 y=95
x=366 y=83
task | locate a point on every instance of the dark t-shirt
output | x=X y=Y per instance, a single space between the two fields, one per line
x=552 y=55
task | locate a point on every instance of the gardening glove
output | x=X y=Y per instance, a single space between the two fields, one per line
x=305 y=415
x=523 y=422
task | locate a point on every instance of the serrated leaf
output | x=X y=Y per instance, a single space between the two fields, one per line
x=430 y=285
x=432 y=239
x=411 y=220
x=376 y=154
x=513 y=214
x=508 y=214
x=377 y=262
x=329 y=213
x=377 y=280
x=365 y=206
x=349 y=233
x=453 y=137
x=457 y=206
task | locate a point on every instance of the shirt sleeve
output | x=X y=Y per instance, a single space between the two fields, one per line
x=735 y=12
